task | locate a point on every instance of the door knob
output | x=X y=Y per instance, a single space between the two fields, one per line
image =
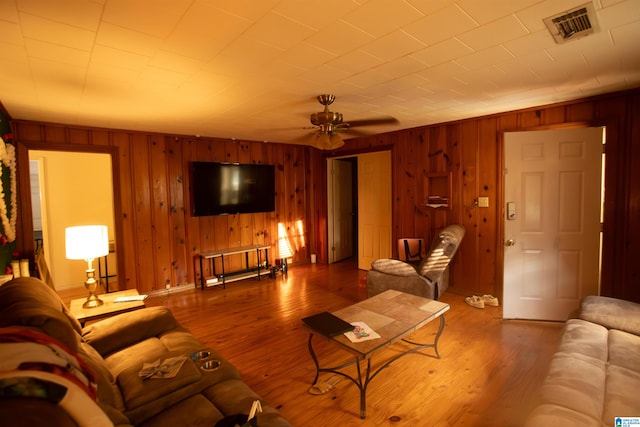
x=510 y=242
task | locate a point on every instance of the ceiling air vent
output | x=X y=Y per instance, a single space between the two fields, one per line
x=578 y=22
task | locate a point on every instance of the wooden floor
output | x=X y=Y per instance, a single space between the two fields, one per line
x=488 y=373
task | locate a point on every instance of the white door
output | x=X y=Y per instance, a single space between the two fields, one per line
x=552 y=192
x=374 y=207
x=340 y=204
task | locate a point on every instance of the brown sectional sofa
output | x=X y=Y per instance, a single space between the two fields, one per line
x=112 y=352
x=594 y=377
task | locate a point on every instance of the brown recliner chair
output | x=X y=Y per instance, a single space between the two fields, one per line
x=430 y=279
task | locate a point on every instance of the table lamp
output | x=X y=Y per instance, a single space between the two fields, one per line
x=88 y=242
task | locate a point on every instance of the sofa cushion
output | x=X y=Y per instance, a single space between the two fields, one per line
x=575 y=382
x=108 y=391
x=584 y=338
x=195 y=410
x=136 y=354
x=138 y=391
x=624 y=350
x=621 y=399
x=612 y=313
x=27 y=301
x=553 y=415
x=120 y=331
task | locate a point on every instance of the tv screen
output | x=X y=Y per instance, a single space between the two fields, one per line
x=232 y=188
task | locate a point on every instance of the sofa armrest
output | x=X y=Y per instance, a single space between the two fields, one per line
x=378 y=282
x=125 y=329
x=612 y=313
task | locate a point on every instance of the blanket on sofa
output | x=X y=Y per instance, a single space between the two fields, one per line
x=36 y=365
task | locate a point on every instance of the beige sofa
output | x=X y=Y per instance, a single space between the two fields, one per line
x=594 y=377
x=100 y=381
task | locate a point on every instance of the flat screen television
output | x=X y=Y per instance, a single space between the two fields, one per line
x=232 y=188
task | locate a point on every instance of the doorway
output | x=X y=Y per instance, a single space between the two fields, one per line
x=553 y=195
x=342 y=192
x=27 y=244
x=68 y=189
x=361 y=186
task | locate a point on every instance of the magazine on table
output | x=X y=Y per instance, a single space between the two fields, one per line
x=361 y=332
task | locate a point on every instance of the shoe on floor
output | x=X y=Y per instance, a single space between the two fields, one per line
x=321 y=387
x=475 y=301
x=490 y=300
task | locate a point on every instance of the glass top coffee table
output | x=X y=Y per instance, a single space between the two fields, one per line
x=393 y=315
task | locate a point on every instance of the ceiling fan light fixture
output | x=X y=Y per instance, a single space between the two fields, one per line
x=327 y=141
x=329 y=123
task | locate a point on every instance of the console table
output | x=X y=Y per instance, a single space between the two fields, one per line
x=223 y=277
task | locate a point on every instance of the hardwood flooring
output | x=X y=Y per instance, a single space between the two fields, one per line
x=489 y=370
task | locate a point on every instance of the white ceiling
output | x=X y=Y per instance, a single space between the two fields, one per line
x=251 y=69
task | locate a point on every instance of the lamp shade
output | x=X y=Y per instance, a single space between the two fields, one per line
x=86 y=242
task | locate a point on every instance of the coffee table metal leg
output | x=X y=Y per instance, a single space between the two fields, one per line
x=333 y=369
x=360 y=382
x=362 y=385
x=315 y=359
x=434 y=345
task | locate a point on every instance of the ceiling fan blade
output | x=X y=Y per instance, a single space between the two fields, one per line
x=372 y=122
x=353 y=133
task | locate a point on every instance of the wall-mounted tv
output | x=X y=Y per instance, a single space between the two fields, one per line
x=232 y=188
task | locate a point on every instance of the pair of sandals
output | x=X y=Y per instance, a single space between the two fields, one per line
x=480 y=301
x=321 y=387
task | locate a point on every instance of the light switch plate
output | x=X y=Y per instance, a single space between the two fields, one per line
x=483 y=202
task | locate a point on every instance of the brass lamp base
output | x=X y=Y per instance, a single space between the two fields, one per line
x=92 y=301
x=91 y=284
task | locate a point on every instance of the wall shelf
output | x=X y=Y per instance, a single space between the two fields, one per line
x=437 y=190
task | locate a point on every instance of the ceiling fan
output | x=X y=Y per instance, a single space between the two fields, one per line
x=329 y=123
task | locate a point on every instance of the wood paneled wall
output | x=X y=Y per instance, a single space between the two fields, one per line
x=160 y=239
x=471 y=152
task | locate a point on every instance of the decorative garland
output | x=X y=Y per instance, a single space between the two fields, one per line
x=8 y=159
